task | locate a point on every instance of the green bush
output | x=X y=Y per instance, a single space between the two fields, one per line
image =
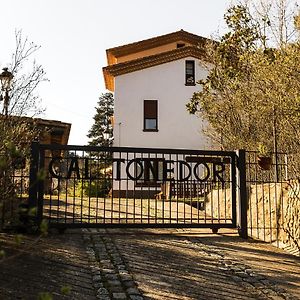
x=94 y=188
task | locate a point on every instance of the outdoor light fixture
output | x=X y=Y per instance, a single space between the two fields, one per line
x=106 y=135
x=6 y=80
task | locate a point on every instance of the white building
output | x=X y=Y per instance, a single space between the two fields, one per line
x=152 y=81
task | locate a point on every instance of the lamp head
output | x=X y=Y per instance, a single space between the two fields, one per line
x=6 y=79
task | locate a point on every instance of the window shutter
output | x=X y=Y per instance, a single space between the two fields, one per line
x=150 y=109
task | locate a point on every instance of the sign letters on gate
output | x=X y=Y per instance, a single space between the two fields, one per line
x=136 y=169
x=106 y=187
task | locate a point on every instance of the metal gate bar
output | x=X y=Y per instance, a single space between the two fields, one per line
x=85 y=186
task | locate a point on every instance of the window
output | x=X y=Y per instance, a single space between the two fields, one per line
x=150 y=115
x=189 y=72
x=180 y=45
x=151 y=170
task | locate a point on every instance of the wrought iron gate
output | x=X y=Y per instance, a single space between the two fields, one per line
x=83 y=186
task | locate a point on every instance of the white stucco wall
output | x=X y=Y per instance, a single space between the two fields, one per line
x=165 y=83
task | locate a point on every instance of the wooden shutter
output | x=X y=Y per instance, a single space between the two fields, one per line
x=150 y=109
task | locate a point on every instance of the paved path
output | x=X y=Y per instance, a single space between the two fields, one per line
x=183 y=264
x=142 y=264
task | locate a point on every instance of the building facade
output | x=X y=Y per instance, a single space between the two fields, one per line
x=152 y=81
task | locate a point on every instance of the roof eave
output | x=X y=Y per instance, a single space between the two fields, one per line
x=108 y=79
x=115 y=52
x=151 y=61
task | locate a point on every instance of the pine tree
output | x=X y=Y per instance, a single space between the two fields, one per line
x=101 y=132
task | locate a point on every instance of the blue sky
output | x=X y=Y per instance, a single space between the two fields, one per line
x=74 y=35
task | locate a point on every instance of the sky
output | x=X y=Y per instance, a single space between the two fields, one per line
x=74 y=34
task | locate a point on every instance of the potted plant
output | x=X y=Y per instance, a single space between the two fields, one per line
x=264 y=158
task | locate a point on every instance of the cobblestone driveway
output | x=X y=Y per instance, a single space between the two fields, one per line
x=183 y=264
x=149 y=264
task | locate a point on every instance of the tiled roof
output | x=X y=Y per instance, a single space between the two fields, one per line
x=150 y=61
x=180 y=35
x=51 y=126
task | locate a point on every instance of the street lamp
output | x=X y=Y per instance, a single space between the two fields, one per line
x=6 y=79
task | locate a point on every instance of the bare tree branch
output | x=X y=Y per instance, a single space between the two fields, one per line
x=24 y=100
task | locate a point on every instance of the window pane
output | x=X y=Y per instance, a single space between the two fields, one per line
x=150 y=115
x=150 y=124
x=190 y=72
x=190 y=68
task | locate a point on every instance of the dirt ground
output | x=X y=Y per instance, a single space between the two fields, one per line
x=56 y=264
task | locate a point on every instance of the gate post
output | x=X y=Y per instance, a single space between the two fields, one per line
x=242 y=193
x=40 y=186
x=33 y=178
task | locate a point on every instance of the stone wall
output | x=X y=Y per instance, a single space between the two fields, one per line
x=218 y=204
x=273 y=212
x=291 y=224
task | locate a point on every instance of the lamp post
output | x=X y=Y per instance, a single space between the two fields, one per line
x=6 y=79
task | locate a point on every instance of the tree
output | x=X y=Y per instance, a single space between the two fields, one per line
x=252 y=88
x=28 y=75
x=101 y=132
x=16 y=132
